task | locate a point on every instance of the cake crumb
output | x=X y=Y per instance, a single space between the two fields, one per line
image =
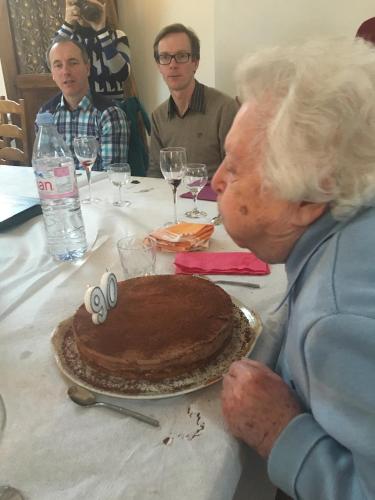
x=196 y=433
x=198 y=422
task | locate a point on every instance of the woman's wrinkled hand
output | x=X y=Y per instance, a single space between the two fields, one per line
x=257 y=404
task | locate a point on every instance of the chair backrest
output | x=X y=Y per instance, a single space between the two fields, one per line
x=13 y=135
x=138 y=149
x=130 y=91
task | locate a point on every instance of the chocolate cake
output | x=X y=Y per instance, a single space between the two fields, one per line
x=161 y=327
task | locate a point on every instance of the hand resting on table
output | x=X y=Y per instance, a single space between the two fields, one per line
x=257 y=404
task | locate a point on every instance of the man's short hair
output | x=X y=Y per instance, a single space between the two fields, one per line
x=179 y=28
x=63 y=39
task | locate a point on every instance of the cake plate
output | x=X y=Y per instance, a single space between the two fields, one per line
x=246 y=329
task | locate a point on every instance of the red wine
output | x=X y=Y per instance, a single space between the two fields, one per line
x=174 y=182
x=87 y=164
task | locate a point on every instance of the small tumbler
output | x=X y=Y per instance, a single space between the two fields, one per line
x=137 y=256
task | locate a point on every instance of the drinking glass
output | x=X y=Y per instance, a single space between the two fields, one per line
x=172 y=163
x=6 y=491
x=137 y=256
x=195 y=178
x=86 y=150
x=119 y=174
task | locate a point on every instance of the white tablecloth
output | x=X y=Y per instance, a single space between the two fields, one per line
x=52 y=449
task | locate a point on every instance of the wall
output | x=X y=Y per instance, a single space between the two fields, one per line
x=143 y=19
x=228 y=30
x=259 y=23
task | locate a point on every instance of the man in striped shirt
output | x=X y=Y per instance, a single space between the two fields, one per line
x=107 y=47
x=78 y=111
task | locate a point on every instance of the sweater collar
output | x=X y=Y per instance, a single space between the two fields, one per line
x=197 y=102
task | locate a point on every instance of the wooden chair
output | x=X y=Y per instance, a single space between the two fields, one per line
x=14 y=148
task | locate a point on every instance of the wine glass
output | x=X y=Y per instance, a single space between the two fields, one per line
x=86 y=150
x=3 y=416
x=195 y=178
x=172 y=163
x=6 y=491
x=119 y=174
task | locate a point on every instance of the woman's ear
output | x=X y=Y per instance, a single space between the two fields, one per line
x=306 y=213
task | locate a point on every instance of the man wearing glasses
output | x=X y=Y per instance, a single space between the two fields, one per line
x=195 y=116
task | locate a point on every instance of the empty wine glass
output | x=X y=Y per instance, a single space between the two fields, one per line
x=86 y=150
x=172 y=163
x=6 y=491
x=195 y=178
x=119 y=174
x=3 y=416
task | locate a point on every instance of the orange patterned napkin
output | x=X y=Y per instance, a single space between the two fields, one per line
x=183 y=237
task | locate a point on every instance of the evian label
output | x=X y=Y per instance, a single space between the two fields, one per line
x=56 y=182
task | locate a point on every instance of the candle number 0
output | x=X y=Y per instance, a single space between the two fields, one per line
x=108 y=284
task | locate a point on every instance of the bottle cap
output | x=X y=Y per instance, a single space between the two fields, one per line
x=44 y=119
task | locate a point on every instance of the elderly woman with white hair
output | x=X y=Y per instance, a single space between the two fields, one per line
x=297 y=186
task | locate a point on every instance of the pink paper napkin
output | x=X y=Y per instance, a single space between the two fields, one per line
x=207 y=194
x=220 y=263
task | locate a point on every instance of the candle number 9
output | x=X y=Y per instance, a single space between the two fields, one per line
x=99 y=299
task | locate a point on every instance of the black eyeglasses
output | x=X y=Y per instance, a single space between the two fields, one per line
x=180 y=57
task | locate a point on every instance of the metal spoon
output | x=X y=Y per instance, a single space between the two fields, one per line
x=10 y=493
x=143 y=190
x=237 y=283
x=216 y=221
x=86 y=398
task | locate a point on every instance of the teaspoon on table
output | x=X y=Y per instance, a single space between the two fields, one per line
x=237 y=283
x=9 y=493
x=216 y=221
x=228 y=282
x=143 y=190
x=84 y=397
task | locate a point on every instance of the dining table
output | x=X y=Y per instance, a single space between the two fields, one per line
x=53 y=449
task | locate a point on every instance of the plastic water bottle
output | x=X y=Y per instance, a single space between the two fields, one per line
x=57 y=186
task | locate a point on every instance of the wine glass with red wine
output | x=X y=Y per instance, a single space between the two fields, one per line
x=172 y=164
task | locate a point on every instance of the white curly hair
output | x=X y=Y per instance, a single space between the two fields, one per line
x=320 y=141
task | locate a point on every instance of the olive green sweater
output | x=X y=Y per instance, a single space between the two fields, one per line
x=202 y=130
